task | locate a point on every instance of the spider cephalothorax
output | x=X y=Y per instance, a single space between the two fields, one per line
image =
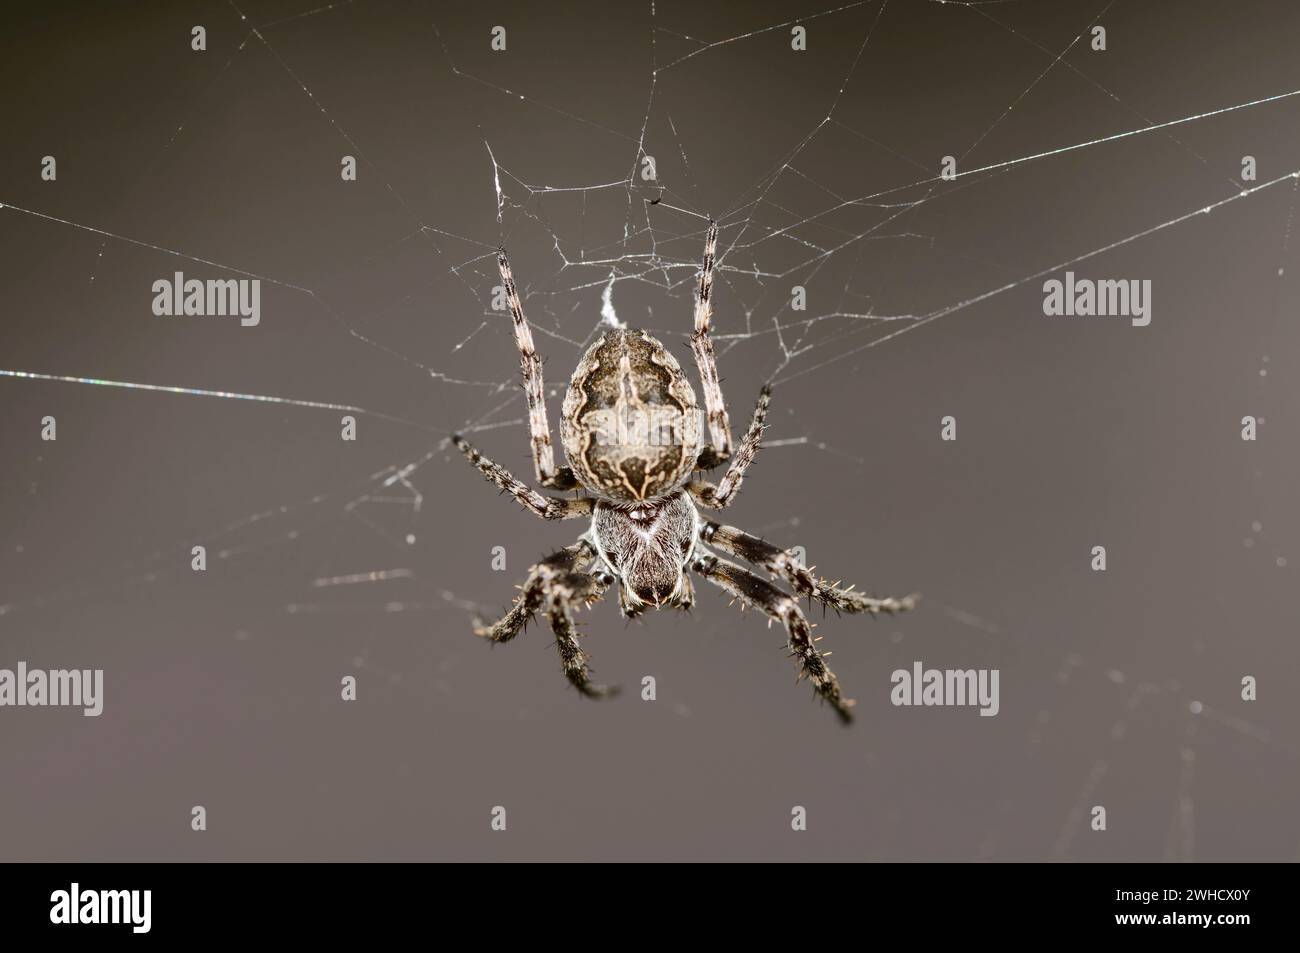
x=647 y=546
x=633 y=437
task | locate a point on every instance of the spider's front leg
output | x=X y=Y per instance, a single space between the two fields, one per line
x=541 y=577
x=784 y=563
x=558 y=587
x=758 y=592
x=559 y=612
x=544 y=506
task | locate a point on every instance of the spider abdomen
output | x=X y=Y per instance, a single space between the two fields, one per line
x=630 y=426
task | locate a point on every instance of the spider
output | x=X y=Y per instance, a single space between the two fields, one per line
x=632 y=433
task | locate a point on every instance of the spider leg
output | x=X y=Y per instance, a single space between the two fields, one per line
x=534 y=389
x=721 y=495
x=532 y=592
x=707 y=363
x=546 y=507
x=561 y=596
x=778 y=605
x=784 y=563
x=557 y=587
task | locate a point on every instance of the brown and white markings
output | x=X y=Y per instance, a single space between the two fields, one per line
x=633 y=436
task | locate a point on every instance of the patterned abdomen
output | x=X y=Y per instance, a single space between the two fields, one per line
x=631 y=426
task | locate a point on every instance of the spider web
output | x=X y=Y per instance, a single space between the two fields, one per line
x=826 y=201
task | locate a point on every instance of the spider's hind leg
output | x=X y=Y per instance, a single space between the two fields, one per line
x=539 y=429
x=705 y=359
x=784 y=563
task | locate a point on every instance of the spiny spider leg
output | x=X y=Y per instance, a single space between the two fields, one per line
x=707 y=363
x=557 y=587
x=534 y=388
x=784 y=563
x=721 y=495
x=532 y=593
x=778 y=605
x=544 y=506
x=559 y=612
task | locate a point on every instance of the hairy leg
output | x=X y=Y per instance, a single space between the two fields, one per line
x=721 y=495
x=532 y=593
x=782 y=607
x=534 y=389
x=544 y=506
x=558 y=588
x=559 y=612
x=784 y=563
x=702 y=347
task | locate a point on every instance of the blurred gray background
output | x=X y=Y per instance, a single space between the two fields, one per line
x=222 y=688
